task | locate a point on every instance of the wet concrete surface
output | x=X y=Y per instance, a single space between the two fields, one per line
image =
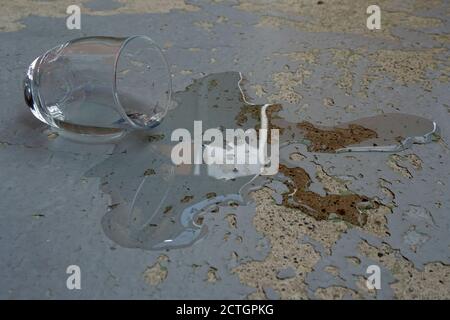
x=324 y=66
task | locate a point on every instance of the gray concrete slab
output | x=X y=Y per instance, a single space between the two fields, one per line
x=297 y=53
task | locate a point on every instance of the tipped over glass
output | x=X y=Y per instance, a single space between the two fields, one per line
x=100 y=87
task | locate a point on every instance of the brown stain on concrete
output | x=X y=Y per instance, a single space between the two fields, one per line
x=331 y=140
x=344 y=207
x=321 y=139
x=254 y=112
x=283 y=226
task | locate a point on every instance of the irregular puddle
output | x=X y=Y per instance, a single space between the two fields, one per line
x=158 y=205
x=387 y=132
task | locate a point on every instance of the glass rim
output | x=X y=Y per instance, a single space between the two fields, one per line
x=159 y=116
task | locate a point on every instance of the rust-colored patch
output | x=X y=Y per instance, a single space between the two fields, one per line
x=254 y=112
x=155 y=137
x=320 y=207
x=199 y=220
x=186 y=199
x=323 y=140
x=149 y=172
x=246 y=112
x=167 y=209
x=211 y=195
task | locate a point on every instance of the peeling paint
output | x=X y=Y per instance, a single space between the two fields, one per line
x=314 y=16
x=13 y=13
x=433 y=282
x=157 y=273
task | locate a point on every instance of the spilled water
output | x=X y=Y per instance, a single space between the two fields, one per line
x=158 y=205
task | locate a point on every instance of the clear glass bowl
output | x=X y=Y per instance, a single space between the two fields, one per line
x=100 y=86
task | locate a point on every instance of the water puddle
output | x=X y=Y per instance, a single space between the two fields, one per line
x=389 y=132
x=159 y=205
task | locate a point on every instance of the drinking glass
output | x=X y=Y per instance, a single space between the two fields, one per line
x=100 y=86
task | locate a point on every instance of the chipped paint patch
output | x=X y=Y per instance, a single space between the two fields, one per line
x=259 y=90
x=157 y=273
x=345 y=60
x=310 y=57
x=212 y=275
x=14 y=11
x=404 y=164
x=433 y=282
x=287 y=83
x=336 y=293
x=377 y=223
x=339 y=16
x=331 y=184
x=205 y=25
x=404 y=66
x=283 y=228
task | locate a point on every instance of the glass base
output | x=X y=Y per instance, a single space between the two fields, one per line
x=94 y=138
